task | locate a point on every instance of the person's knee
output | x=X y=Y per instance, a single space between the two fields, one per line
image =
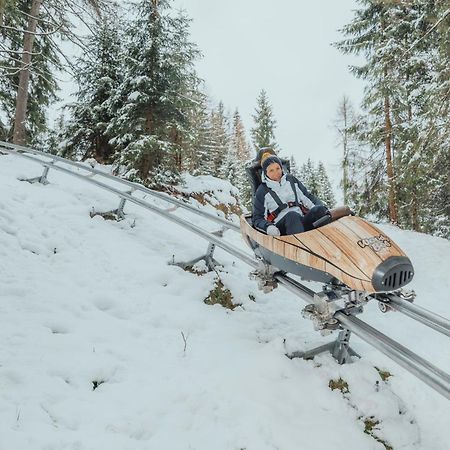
x=292 y=217
x=293 y=223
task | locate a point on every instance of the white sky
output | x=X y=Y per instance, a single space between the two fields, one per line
x=283 y=47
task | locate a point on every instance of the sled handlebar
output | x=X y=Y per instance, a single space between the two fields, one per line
x=333 y=214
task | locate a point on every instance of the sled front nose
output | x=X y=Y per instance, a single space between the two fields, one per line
x=393 y=273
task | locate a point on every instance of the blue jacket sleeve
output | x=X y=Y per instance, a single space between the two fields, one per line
x=259 y=221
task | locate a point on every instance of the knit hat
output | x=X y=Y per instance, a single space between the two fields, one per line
x=268 y=160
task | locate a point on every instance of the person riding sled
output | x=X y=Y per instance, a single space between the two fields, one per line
x=282 y=205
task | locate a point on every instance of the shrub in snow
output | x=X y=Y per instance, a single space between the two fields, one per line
x=220 y=296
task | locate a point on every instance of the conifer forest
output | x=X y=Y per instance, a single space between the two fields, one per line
x=141 y=106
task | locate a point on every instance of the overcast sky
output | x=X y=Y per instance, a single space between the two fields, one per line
x=283 y=47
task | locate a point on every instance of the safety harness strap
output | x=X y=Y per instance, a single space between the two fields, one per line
x=304 y=209
x=272 y=215
x=281 y=206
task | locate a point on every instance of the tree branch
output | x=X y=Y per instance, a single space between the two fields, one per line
x=185 y=342
x=35 y=33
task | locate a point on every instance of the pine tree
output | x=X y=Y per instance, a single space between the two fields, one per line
x=325 y=191
x=98 y=78
x=425 y=160
x=263 y=133
x=346 y=125
x=369 y=33
x=30 y=52
x=237 y=159
x=157 y=91
x=27 y=81
x=406 y=108
x=294 y=170
x=316 y=180
x=239 y=138
x=309 y=177
x=219 y=142
x=230 y=167
x=197 y=143
x=55 y=140
x=409 y=24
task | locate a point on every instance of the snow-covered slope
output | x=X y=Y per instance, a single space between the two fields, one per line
x=88 y=303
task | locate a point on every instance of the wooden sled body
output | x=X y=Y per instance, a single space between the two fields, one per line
x=350 y=249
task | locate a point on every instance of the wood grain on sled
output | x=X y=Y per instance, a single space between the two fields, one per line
x=333 y=248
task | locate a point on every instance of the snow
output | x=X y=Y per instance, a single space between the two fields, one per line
x=221 y=191
x=134 y=96
x=88 y=300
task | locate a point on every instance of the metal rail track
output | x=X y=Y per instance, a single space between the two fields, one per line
x=19 y=150
x=416 y=312
x=178 y=220
x=416 y=365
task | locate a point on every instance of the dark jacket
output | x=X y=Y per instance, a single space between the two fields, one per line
x=264 y=203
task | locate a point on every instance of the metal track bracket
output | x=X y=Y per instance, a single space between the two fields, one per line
x=208 y=257
x=210 y=261
x=114 y=214
x=42 y=179
x=264 y=275
x=340 y=349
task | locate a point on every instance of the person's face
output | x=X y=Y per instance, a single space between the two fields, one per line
x=274 y=171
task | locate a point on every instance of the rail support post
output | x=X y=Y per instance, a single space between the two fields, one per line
x=114 y=214
x=42 y=179
x=342 y=352
x=340 y=349
x=208 y=257
x=119 y=211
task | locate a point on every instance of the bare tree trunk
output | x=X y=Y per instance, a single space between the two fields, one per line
x=415 y=214
x=393 y=214
x=344 y=119
x=24 y=76
x=2 y=10
x=345 y=148
x=150 y=159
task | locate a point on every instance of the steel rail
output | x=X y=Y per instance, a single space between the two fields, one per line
x=416 y=312
x=418 y=366
x=197 y=230
x=295 y=287
x=413 y=363
x=422 y=369
x=17 y=149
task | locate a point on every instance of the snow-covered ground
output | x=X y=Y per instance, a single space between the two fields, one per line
x=88 y=303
